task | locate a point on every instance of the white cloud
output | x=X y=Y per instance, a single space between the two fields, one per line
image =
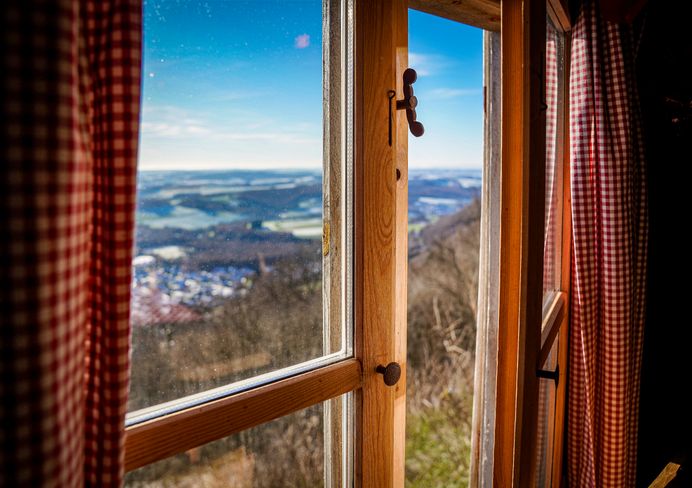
x=159 y=129
x=165 y=129
x=282 y=137
x=420 y=62
x=173 y=137
x=169 y=121
x=447 y=93
x=302 y=41
x=430 y=64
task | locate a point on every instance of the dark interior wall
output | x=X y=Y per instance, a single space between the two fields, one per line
x=664 y=65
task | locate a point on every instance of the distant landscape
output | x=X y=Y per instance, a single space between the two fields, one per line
x=227 y=285
x=200 y=234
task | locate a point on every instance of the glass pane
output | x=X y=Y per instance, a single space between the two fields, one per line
x=546 y=422
x=554 y=99
x=243 y=169
x=294 y=451
x=444 y=232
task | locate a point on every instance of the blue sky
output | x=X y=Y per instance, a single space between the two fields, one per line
x=237 y=84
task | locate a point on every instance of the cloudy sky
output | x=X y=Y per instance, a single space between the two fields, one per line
x=237 y=84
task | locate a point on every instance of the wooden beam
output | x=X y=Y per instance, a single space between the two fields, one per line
x=160 y=438
x=484 y=14
x=521 y=237
x=381 y=42
x=513 y=88
x=534 y=25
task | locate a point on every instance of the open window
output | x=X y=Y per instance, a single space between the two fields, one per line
x=322 y=312
x=242 y=309
x=535 y=242
x=552 y=359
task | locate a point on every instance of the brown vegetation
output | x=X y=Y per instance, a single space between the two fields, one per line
x=442 y=305
x=442 y=301
x=279 y=319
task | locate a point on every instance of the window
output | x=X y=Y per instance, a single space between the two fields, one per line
x=287 y=452
x=233 y=281
x=554 y=158
x=213 y=366
x=553 y=353
x=534 y=255
x=243 y=265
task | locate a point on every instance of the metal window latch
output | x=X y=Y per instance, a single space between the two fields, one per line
x=391 y=373
x=550 y=375
x=409 y=104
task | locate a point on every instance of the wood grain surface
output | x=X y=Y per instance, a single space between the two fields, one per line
x=160 y=438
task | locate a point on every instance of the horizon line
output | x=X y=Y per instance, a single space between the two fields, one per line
x=299 y=168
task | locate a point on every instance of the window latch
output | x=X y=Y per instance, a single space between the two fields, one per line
x=409 y=103
x=391 y=373
x=550 y=375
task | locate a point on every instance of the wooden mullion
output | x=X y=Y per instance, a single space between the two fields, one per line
x=511 y=245
x=380 y=259
x=484 y=14
x=160 y=438
x=534 y=23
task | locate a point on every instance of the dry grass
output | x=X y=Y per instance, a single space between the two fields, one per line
x=281 y=316
x=443 y=290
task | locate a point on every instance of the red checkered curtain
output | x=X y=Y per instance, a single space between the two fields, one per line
x=70 y=75
x=609 y=255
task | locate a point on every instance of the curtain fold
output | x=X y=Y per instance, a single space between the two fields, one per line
x=609 y=255
x=70 y=115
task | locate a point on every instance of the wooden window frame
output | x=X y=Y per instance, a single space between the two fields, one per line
x=555 y=324
x=380 y=269
x=381 y=240
x=380 y=252
x=157 y=439
x=521 y=236
x=525 y=334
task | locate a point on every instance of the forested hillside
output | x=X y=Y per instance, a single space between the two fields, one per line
x=254 y=331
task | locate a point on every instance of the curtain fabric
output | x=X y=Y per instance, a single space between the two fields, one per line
x=70 y=110
x=609 y=255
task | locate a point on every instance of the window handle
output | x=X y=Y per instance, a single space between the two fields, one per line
x=409 y=103
x=391 y=373
x=550 y=375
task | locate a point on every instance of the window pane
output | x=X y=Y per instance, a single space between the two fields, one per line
x=243 y=169
x=298 y=450
x=554 y=99
x=546 y=422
